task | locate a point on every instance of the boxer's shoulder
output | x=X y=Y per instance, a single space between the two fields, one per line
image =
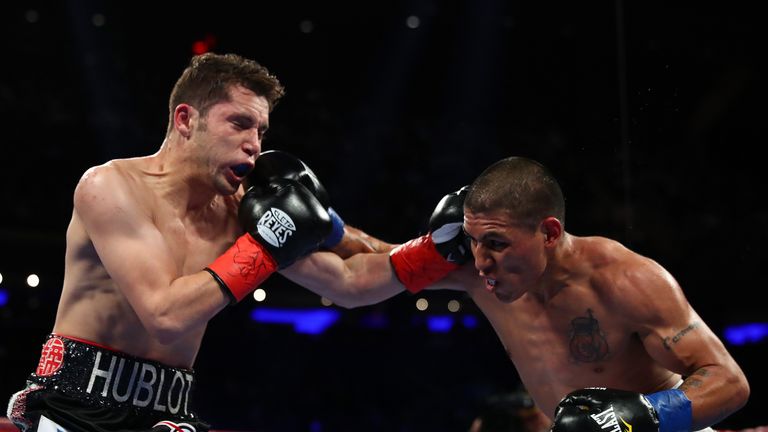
x=112 y=189
x=610 y=265
x=600 y=252
x=115 y=175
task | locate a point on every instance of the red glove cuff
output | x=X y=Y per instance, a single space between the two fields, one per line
x=418 y=264
x=243 y=267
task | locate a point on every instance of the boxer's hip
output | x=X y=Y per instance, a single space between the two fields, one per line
x=89 y=380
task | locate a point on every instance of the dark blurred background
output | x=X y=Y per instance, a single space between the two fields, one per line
x=651 y=114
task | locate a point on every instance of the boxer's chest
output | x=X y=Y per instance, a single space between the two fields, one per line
x=195 y=243
x=577 y=344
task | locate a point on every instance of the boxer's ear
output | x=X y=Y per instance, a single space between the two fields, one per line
x=182 y=119
x=552 y=229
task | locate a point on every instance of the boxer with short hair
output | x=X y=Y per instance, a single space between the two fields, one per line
x=602 y=337
x=158 y=245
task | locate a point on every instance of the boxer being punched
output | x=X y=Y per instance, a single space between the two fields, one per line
x=157 y=245
x=602 y=337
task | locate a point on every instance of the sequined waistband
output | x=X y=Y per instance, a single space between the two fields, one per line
x=102 y=377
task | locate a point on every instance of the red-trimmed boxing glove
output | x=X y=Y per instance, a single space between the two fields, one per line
x=429 y=258
x=283 y=221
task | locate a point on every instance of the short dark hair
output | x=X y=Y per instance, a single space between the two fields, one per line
x=522 y=187
x=208 y=77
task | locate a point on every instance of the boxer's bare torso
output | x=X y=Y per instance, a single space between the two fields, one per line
x=583 y=331
x=93 y=305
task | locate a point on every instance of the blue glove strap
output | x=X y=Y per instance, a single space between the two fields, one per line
x=673 y=409
x=337 y=232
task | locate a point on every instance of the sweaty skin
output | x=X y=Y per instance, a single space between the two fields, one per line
x=576 y=312
x=575 y=339
x=571 y=312
x=143 y=229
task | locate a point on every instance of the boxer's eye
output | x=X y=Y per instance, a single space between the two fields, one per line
x=496 y=245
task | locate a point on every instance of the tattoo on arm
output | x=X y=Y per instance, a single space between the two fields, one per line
x=694 y=381
x=587 y=341
x=669 y=341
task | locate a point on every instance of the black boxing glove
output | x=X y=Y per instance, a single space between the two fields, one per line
x=276 y=164
x=446 y=227
x=608 y=410
x=283 y=221
x=427 y=259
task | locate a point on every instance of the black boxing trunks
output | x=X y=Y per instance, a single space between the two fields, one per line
x=82 y=386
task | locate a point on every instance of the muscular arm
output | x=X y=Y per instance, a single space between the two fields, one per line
x=139 y=261
x=678 y=339
x=424 y=262
x=356 y=241
x=362 y=279
x=359 y=280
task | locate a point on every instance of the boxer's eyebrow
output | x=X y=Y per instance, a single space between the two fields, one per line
x=247 y=121
x=244 y=120
x=492 y=235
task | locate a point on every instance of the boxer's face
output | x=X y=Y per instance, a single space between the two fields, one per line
x=509 y=255
x=230 y=137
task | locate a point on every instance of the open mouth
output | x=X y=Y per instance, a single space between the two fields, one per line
x=241 y=170
x=490 y=283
